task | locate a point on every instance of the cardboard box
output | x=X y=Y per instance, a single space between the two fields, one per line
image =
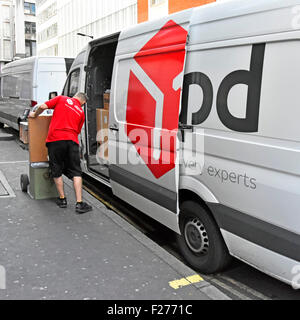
x=38 y=131
x=102 y=152
x=102 y=117
x=106 y=100
x=24 y=132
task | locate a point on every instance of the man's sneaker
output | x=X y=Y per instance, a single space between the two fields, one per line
x=62 y=203
x=82 y=207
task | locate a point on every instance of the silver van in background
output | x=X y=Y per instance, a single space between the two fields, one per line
x=28 y=82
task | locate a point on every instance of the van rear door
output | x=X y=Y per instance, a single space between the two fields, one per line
x=144 y=117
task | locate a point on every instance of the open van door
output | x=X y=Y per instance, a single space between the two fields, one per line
x=144 y=118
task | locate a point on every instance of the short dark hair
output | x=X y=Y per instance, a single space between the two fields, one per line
x=81 y=96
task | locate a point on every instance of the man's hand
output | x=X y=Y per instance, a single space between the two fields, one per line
x=38 y=111
x=32 y=115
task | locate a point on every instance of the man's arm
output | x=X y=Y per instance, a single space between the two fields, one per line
x=51 y=104
x=39 y=111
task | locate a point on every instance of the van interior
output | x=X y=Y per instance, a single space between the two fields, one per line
x=99 y=77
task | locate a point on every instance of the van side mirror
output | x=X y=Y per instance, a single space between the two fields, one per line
x=52 y=95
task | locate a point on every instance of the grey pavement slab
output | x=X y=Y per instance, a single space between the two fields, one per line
x=4 y=136
x=50 y=253
x=12 y=153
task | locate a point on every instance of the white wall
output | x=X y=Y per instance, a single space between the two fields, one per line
x=48 y=45
x=6 y=30
x=158 y=8
x=93 y=17
x=19 y=28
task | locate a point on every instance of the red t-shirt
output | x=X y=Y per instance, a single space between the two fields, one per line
x=67 y=121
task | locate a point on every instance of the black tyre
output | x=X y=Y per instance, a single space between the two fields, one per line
x=24 y=181
x=1 y=125
x=201 y=242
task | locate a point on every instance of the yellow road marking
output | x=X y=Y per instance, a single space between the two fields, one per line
x=195 y=279
x=177 y=284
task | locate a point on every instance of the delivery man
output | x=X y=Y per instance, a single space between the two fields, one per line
x=63 y=145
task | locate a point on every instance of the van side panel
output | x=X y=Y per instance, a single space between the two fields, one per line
x=52 y=72
x=251 y=128
x=16 y=89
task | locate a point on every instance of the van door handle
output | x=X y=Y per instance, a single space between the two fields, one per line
x=182 y=128
x=185 y=126
x=114 y=127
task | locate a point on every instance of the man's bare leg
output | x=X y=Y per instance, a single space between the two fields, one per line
x=62 y=201
x=81 y=207
x=59 y=182
x=77 y=181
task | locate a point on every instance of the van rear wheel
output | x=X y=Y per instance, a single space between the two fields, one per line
x=201 y=242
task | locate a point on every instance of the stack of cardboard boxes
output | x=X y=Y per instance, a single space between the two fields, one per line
x=41 y=184
x=102 y=116
x=24 y=132
x=38 y=132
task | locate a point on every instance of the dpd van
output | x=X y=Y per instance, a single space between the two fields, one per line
x=219 y=84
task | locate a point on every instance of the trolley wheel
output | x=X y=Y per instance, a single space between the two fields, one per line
x=201 y=242
x=24 y=182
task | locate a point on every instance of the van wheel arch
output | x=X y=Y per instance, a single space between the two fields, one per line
x=185 y=195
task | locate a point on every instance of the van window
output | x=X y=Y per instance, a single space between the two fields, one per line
x=17 y=85
x=72 y=84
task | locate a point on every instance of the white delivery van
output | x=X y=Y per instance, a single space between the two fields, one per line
x=222 y=81
x=28 y=82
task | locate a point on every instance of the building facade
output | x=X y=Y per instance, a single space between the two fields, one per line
x=30 y=27
x=153 y=9
x=47 y=27
x=60 y=21
x=17 y=30
x=6 y=32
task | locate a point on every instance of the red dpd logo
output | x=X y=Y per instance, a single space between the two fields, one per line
x=162 y=61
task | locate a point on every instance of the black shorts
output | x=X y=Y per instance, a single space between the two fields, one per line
x=64 y=159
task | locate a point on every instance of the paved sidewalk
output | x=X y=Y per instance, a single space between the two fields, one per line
x=50 y=253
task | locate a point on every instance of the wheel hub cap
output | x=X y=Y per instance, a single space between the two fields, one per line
x=196 y=236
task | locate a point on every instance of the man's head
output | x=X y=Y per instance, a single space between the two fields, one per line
x=82 y=97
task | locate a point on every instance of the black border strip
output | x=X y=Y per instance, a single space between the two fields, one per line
x=152 y=191
x=262 y=233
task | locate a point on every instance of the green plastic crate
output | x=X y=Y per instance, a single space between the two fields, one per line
x=41 y=185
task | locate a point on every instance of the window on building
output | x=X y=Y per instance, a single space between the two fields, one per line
x=29 y=8
x=6 y=29
x=30 y=27
x=48 y=33
x=5 y=12
x=48 y=13
x=158 y=8
x=7 y=49
x=33 y=44
x=30 y=48
x=156 y=2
